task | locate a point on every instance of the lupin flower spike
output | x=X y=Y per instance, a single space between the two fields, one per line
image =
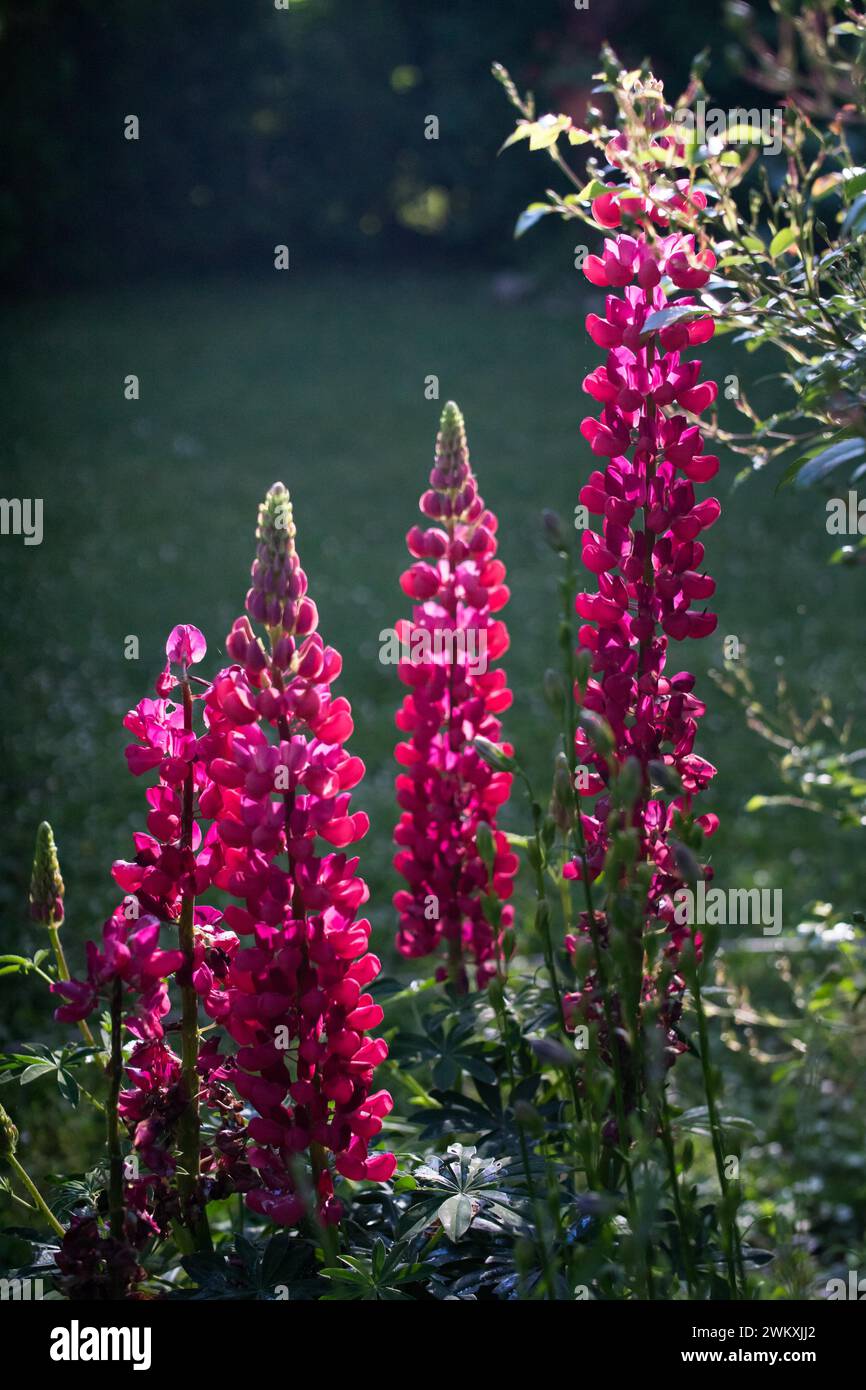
x=294 y=1000
x=638 y=722
x=447 y=791
x=46 y=883
x=46 y=902
x=8 y=1135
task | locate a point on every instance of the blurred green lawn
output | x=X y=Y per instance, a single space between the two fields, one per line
x=150 y=506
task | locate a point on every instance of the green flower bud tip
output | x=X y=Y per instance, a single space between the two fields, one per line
x=486 y=845
x=554 y=531
x=452 y=426
x=598 y=731
x=494 y=756
x=8 y=1135
x=562 y=801
x=554 y=690
x=664 y=776
x=551 y=1052
x=46 y=884
x=687 y=864
x=526 y=1114
x=452 y=450
x=503 y=76
x=582 y=667
x=276 y=526
x=629 y=782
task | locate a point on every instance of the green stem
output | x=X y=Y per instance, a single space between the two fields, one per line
x=543 y=914
x=618 y=1089
x=115 y=1154
x=543 y=922
x=26 y=1181
x=326 y=1234
x=11 y=965
x=730 y=1223
x=189 y=1124
x=543 y=1253
x=576 y=838
x=568 y=589
x=410 y=992
x=670 y=1155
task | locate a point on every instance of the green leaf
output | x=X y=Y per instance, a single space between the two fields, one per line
x=38 y=1069
x=856 y=216
x=445 y=1073
x=745 y=134
x=15 y=1251
x=349 y=1275
x=477 y=1068
x=68 y=1086
x=530 y=216
x=283 y=1259
x=662 y=317
x=845 y=555
x=782 y=240
x=544 y=133
x=825 y=185
x=820 y=464
x=755 y=1257
x=456 y=1216
x=697 y=1121
x=522 y=132
x=591 y=190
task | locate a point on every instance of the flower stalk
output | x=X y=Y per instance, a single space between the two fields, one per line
x=116 y=1214
x=733 y=1256
x=46 y=903
x=448 y=796
x=189 y=1124
x=8 y=1147
x=277 y=782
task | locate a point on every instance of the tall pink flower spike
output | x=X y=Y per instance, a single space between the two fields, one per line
x=645 y=553
x=447 y=791
x=294 y=998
